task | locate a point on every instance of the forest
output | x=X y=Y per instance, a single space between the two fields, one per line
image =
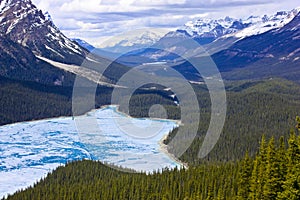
x=239 y=167
x=273 y=173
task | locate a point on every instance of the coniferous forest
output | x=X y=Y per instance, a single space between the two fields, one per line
x=272 y=174
x=269 y=169
x=257 y=153
x=254 y=169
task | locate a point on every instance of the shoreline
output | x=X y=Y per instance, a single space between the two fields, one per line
x=178 y=122
x=162 y=147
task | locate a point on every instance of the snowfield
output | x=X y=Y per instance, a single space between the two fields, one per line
x=29 y=150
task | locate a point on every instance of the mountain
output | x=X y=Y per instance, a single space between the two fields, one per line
x=83 y=43
x=262 y=24
x=26 y=34
x=266 y=46
x=18 y=62
x=273 y=53
x=213 y=35
x=32 y=48
x=207 y=30
x=131 y=41
x=26 y=25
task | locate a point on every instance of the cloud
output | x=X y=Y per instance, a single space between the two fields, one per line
x=101 y=18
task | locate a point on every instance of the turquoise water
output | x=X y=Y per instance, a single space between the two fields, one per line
x=29 y=150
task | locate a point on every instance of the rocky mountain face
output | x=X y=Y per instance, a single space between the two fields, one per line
x=20 y=63
x=25 y=24
x=207 y=30
x=275 y=53
x=83 y=43
x=257 y=47
x=214 y=35
x=32 y=48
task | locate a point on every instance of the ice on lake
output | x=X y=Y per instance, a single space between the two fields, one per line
x=29 y=150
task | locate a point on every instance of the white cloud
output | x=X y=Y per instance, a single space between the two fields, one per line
x=158 y=2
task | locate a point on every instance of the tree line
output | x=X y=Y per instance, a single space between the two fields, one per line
x=272 y=174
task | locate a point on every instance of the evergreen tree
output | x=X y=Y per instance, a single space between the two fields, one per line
x=258 y=174
x=291 y=187
x=273 y=172
x=245 y=172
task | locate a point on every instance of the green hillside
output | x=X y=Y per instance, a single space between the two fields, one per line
x=272 y=174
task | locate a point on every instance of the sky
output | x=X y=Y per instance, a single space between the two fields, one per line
x=97 y=20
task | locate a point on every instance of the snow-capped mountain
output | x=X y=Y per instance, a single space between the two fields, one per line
x=275 y=53
x=25 y=24
x=48 y=16
x=83 y=43
x=262 y=24
x=207 y=30
x=126 y=43
x=32 y=48
x=258 y=46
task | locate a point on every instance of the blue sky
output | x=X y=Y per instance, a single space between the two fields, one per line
x=95 y=20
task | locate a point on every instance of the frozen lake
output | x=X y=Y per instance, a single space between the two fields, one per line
x=29 y=150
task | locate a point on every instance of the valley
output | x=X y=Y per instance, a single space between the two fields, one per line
x=205 y=110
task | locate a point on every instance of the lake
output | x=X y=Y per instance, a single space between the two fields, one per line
x=29 y=150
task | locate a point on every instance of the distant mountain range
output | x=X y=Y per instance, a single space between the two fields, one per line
x=269 y=48
x=32 y=48
x=131 y=41
x=122 y=44
x=258 y=47
x=207 y=30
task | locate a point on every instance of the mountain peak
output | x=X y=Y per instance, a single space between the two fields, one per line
x=205 y=30
x=266 y=23
x=14 y=12
x=25 y=24
x=48 y=16
x=20 y=4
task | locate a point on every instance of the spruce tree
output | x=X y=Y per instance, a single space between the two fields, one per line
x=291 y=187
x=245 y=172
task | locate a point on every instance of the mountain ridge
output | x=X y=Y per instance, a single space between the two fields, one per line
x=34 y=49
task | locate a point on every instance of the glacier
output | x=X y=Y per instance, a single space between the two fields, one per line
x=30 y=150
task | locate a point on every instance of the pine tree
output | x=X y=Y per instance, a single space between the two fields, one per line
x=258 y=178
x=273 y=172
x=254 y=181
x=245 y=172
x=298 y=123
x=291 y=187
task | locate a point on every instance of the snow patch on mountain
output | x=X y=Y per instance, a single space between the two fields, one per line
x=133 y=40
x=214 y=28
x=232 y=27
x=145 y=38
x=48 y=16
x=25 y=24
x=265 y=23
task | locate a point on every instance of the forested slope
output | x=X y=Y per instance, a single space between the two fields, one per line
x=272 y=174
